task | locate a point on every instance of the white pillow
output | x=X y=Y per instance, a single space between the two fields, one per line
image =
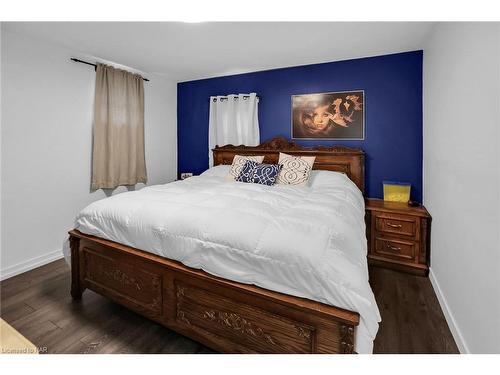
x=217 y=171
x=320 y=178
x=238 y=163
x=296 y=169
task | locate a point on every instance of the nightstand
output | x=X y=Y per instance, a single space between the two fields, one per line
x=398 y=236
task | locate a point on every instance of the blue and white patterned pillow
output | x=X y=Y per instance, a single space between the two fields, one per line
x=246 y=172
x=257 y=173
x=238 y=163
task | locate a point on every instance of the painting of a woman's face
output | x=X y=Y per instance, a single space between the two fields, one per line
x=328 y=116
x=321 y=116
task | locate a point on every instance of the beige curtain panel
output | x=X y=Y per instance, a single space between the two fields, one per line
x=118 y=147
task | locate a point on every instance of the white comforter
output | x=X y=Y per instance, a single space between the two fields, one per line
x=304 y=241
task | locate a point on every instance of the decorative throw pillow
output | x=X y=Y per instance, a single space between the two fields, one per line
x=257 y=173
x=246 y=173
x=238 y=163
x=296 y=169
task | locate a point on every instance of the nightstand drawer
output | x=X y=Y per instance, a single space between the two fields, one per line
x=395 y=249
x=403 y=225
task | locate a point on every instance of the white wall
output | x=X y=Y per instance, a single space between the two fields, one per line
x=46 y=136
x=0 y=146
x=461 y=178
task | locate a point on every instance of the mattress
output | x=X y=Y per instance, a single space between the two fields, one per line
x=304 y=241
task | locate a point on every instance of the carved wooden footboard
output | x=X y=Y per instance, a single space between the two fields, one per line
x=227 y=316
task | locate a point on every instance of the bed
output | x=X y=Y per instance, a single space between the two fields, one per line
x=241 y=268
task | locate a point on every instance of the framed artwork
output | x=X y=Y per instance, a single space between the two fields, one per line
x=330 y=115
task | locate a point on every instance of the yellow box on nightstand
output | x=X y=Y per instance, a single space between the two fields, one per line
x=396 y=191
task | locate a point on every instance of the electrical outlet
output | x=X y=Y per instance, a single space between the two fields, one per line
x=186 y=175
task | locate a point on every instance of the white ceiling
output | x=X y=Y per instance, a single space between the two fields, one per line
x=187 y=51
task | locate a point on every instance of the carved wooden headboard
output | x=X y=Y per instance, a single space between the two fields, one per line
x=337 y=158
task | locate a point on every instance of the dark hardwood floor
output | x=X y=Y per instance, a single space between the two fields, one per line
x=38 y=304
x=412 y=319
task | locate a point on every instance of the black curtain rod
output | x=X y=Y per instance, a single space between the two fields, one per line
x=95 y=65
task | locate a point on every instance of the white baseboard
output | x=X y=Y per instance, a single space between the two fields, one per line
x=30 y=264
x=455 y=331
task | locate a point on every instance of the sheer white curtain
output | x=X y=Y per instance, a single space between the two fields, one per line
x=233 y=120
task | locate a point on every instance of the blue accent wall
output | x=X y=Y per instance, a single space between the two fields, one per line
x=393 y=112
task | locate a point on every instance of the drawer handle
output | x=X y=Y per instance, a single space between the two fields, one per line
x=398 y=226
x=393 y=248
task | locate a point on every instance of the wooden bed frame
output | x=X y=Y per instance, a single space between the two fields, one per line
x=224 y=315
